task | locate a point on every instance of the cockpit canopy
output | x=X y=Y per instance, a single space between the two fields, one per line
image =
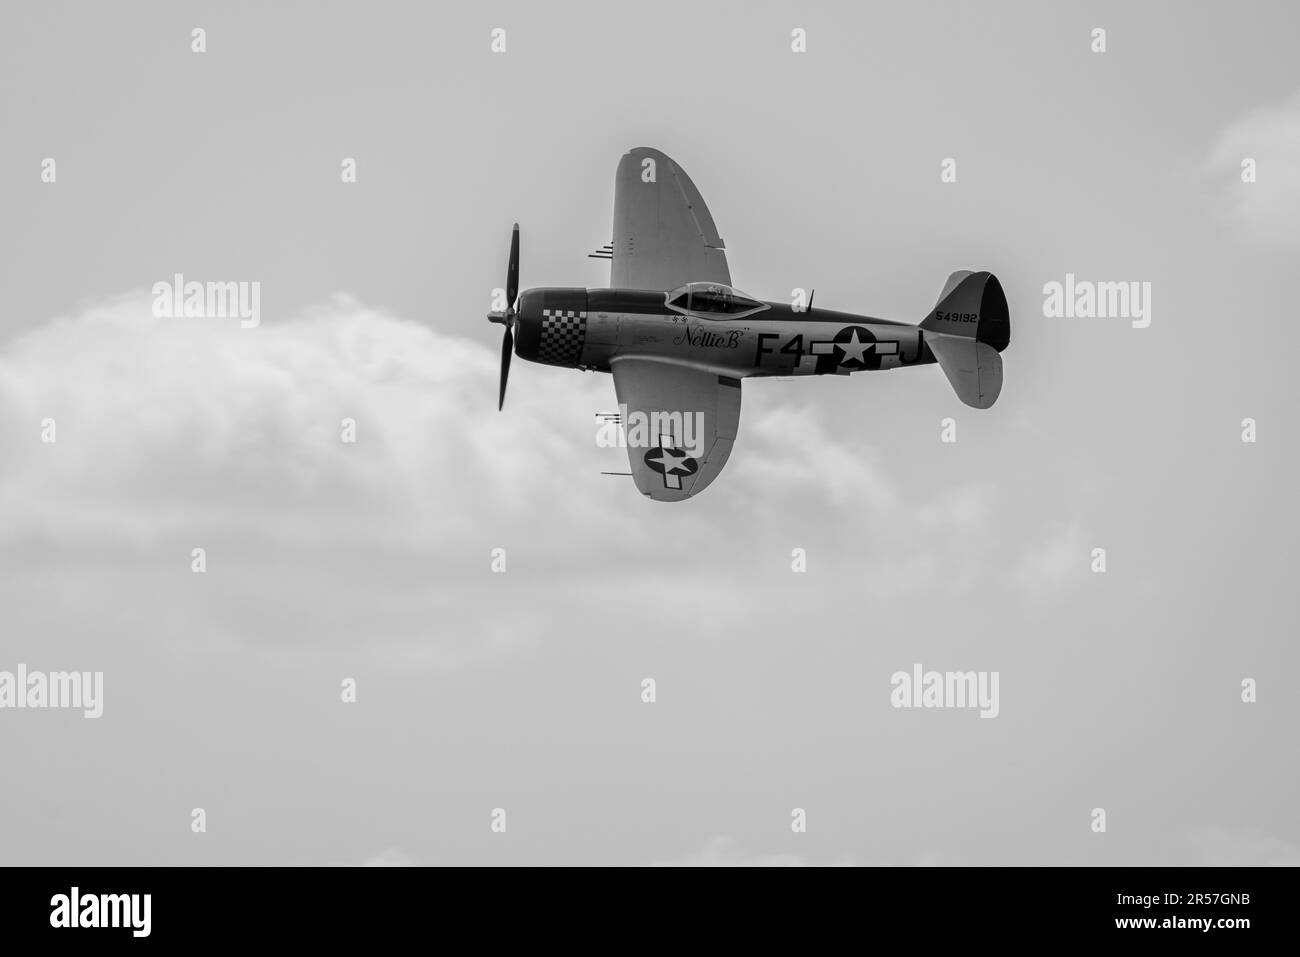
x=711 y=300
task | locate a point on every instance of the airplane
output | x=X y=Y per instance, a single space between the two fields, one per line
x=678 y=338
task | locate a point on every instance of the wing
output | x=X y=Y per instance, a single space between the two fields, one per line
x=664 y=236
x=680 y=424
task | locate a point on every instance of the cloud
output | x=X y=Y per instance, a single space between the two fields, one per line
x=721 y=851
x=1220 y=848
x=1268 y=210
x=391 y=857
x=794 y=452
x=165 y=424
x=1060 y=556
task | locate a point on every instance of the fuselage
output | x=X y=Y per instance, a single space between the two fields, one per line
x=593 y=328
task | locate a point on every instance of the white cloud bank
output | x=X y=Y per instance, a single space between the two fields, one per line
x=173 y=428
x=165 y=424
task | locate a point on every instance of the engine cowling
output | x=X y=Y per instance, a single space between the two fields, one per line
x=551 y=326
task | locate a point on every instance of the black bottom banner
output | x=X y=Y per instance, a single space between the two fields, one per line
x=1150 y=906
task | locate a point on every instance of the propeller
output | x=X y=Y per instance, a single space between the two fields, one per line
x=507 y=318
x=507 y=349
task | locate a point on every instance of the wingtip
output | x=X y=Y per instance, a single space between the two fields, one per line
x=646 y=151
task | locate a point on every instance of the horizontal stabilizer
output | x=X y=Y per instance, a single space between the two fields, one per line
x=973 y=368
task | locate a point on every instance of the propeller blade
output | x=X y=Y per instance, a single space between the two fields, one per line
x=507 y=348
x=512 y=270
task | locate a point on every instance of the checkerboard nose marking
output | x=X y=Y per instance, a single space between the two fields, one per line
x=563 y=333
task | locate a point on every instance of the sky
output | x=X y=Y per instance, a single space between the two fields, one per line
x=373 y=561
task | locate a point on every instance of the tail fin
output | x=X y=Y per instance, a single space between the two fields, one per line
x=966 y=330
